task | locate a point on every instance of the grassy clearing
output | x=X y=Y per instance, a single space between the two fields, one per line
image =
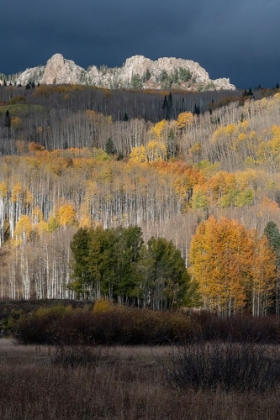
x=121 y=383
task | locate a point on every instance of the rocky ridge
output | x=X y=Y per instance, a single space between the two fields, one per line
x=138 y=72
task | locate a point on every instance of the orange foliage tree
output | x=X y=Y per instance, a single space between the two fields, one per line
x=233 y=267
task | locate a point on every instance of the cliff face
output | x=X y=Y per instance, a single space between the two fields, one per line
x=138 y=72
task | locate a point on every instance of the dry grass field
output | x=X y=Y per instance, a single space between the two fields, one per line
x=41 y=382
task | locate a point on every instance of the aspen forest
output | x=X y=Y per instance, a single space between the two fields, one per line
x=181 y=191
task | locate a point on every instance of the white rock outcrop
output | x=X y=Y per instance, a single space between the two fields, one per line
x=31 y=75
x=160 y=73
x=61 y=71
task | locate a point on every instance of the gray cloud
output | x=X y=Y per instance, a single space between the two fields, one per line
x=236 y=39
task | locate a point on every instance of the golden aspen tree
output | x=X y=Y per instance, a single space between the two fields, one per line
x=85 y=221
x=158 y=129
x=3 y=190
x=219 y=255
x=16 y=192
x=263 y=276
x=3 y=202
x=23 y=229
x=184 y=119
x=155 y=151
x=138 y=154
x=66 y=215
x=38 y=222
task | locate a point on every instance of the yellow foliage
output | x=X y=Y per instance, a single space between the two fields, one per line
x=230 y=129
x=37 y=216
x=66 y=215
x=245 y=125
x=28 y=197
x=90 y=113
x=155 y=151
x=3 y=190
x=34 y=147
x=158 y=128
x=268 y=208
x=16 y=192
x=184 y=119
x=85 y=221
x=102 y=305
x=270 y=149
x=224 y=132
x=41 y=227
x=16 y=122
x=23 y=228
x=263 y=272
x=195 y=149
x=219 y=255
x=100 y=154
x=138 y=154
x=242 y=137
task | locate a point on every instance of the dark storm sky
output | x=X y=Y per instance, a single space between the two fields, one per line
x=238 y=39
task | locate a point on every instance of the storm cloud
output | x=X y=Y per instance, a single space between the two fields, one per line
x=236 y=39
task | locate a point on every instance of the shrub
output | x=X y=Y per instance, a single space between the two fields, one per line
x=226 y=366
x=106 y=324
x=102 y=305
x=114 y=324
x=208 y=326
x=76 y=356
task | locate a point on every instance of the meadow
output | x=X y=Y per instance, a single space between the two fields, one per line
x=221 y=368
x=117 y=383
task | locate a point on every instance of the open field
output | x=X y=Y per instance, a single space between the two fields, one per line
x=113 y=383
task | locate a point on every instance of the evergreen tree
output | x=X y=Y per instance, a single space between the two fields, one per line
x=168 y=275
x=7 y=121
x=171 y=145
x=168 y=107
x=136 y=82
x=273 y=235
x=79 y=264
x=169 y=111
x=120 y=156
x=128 y=250
x=147 y=75
x=109 y=147
x=103 y=262
x=272 y=232
x=164 y=106
x=196 y=110
x=115 y=264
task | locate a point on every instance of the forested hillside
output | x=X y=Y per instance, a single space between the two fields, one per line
x=197 y=169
